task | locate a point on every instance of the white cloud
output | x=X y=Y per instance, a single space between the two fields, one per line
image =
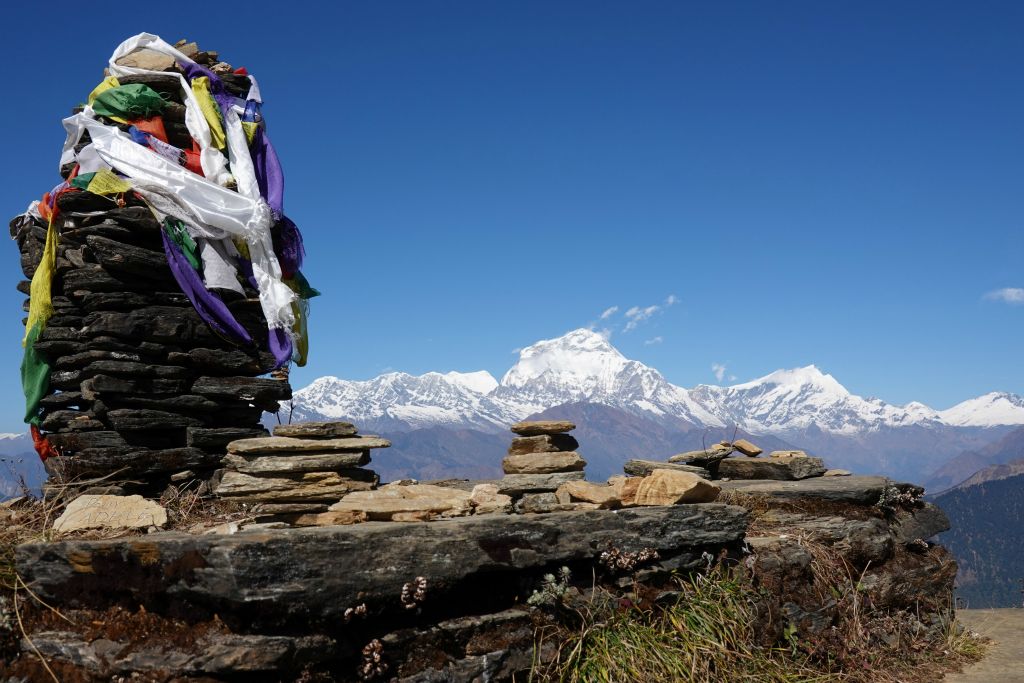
x=1008 y=295
x=652 y=342
x=637 y=315
x=672 y=300
x=719 y=370
x=609 y=312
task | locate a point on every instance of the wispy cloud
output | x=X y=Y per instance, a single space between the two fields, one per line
x=637 y=315
x=719 y=370
x=609 y=312
x=1008 y=295
x=671 y=300
x=653 y=341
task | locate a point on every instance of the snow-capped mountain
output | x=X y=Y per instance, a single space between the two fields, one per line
x=583 y=366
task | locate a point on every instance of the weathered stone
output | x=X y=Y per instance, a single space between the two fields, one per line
x=141 y=419
x=211 y=438
x=331 y=518
x=292 y=577
x=422 y=500
x=150 y=60
x=288 y=508
x=514 y=484
x=545 y=443
x=136 y=261
x=103 y=385
x=123 y=301
x=641 y=468
x=265 y=393
x=110 y=512
x=702 y=458
x=270 y=445
x=669 y=487
x=859 y=490
x=316 y=429
x=127 y=461
x=860 y=541
x=300 y=487
x=223 y=361
x=543 y=463
x=162 y=324
x=539 y=427
x=124 y=368
x=486 y=500
x=625 y=488
x=747 y=448
x=73 y=420
x=837 y=473
x=83 y=359
x=920 y=524
x=771 y=468
x=914 y=581
x=542 y=503
x=602 y=495
x=306 y=462
x=788 y=454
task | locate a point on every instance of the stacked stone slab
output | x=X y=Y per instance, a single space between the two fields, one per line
x=541 y=458
x=302 y=469
x=140 y=386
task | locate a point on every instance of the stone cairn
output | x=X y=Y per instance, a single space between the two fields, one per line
x=141 y=390
x=301 y=470
x=141 y=387
x=541 y=458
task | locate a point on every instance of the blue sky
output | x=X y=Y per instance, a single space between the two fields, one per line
x=829 y=183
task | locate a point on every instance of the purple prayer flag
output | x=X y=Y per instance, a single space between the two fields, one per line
x=281 y=347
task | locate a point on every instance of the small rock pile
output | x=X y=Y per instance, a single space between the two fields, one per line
x=719 y=462
x=301 y=469
x=541 y=458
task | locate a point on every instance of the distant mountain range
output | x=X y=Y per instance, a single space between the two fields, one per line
x=803 y=407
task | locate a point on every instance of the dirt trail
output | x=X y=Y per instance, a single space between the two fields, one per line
x=1005 y=661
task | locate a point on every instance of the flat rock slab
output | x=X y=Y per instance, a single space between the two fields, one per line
x=920 y=524
x=854 y=489
x=300 y=487
x=516 y=484
x=282 y=444
x=545 y=443
x=543 y=463
x=415 y=502
x=538 y=427
x=110 y=512
x=641 y=468
x=293 y=576
x=316 y=429
x=702 y=458
x=671 y=487
x=771 y=468
x=305 y=462
x=747 y=448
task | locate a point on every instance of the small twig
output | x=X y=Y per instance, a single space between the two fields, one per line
x=21 y=582
x=21 y=627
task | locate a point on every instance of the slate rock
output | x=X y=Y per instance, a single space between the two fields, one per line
x=217 y=438
x=514 y=484
x=136 y=261
x=273 y=445
x=265 y=393
x=860 y=541
x=224 y=361
x=543 y=463
x=142 y=419
x=541 y=504
x=310 y=430
x=300 y=487
x=545 y=443
x=671 y=487
x=641 y=468
x=920 y=524
x=703 y=458
x=541 y=427
x=780 y=468
x=306 y=462
x=855 y=489
x=415 y=502
x=103 y=385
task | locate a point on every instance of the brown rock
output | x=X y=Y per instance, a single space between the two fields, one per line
x=542 y=503
x=702 y=458
x=779 y=468
x=297 y=488
x=539 y=427
x=641 y=468
x=545 y=443
x=316 y=429
x=144 y=58
x=110 y=512
x=787 y=454
x=837 y=473
x=602 y=495
x=415 y=502
x=625 y=489
x=330 y=518
x=543 y=463
x=306 y=462
x=747 y=448
x=668 y=487
x=282 y=444
x=486 y=500
x=515 y=484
